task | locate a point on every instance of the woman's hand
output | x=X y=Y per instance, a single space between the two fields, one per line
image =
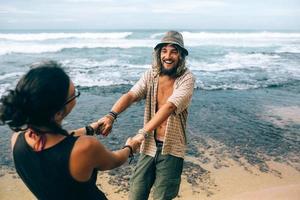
x=135 y=142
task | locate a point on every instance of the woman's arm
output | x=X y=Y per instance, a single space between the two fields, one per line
x=89 y=154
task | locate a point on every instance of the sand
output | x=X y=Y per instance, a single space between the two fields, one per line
x=282 y=116
x=230 y=183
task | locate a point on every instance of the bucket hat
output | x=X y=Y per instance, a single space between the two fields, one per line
x=173 y=37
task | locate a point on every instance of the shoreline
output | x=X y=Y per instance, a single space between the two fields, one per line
x=230 y=183
x=211 y=172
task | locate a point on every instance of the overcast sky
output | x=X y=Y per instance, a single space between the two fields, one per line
x=150 y=14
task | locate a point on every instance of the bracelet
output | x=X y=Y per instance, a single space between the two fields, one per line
x=144 y=133
x=89 y=130
x=131 y=156
x=113 y=114
x=110 y=117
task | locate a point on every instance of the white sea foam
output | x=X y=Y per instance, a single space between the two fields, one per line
x=11 y=75
x=85 y=80
x=55 y=47
x=289 y=49
x=234 y=86
x=55 y=36
x=4 y=87
x=239 y=39
x=233 y=35
x=235 y=61
x=113 y=71
x=138 y=66
x=157 y=35
x=84 y=63
x=39 y=42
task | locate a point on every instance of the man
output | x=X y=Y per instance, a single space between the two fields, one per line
x=167 y=88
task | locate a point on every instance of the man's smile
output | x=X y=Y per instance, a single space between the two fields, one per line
x=168 y=61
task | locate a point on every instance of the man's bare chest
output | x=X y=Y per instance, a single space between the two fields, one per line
x=164 y=91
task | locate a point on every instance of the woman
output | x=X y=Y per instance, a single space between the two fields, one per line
x=53 y=163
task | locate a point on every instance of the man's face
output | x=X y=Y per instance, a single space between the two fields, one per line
x=169 y=57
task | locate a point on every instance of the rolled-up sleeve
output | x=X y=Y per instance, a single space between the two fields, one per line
x=140 y=88
x=182 y=94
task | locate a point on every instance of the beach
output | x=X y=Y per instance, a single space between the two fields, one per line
x=243 y=129
x=230 y=183
x=221 y=178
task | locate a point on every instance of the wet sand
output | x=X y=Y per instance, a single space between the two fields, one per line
x=283 y=116
x=232 y=182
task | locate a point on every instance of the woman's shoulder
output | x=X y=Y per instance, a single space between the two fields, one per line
x=86 y=144
x=14 y=138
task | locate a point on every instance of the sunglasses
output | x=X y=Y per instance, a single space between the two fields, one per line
x=76 y=94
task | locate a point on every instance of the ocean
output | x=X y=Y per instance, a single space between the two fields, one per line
x=247 y=86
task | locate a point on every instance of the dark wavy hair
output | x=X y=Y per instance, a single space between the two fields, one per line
x=38 y=96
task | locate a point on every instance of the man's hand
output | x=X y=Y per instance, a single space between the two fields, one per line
x=135 y=142
x=105 y=125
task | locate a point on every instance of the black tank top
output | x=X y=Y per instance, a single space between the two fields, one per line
x=46 y=173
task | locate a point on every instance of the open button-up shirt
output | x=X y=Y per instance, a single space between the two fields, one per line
x=175 y=136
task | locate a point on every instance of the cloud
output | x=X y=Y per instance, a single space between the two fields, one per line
x=282 y=12
x=189 y=6
x=14 y=10
x=89 y=1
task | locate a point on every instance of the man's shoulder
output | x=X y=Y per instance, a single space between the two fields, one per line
x=149 y=74
x=187 y=75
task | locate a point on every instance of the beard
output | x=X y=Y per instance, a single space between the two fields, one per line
x=168 y=72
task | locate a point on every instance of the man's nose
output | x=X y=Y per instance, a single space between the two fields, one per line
x=168 y=54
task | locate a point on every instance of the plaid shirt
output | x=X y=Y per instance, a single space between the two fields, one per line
x=175 y=137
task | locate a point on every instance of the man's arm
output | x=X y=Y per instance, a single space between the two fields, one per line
x=122 y=104
x=137 y=92
x=176 y=103
x=160 y=116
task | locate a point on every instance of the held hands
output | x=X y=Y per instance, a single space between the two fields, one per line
x=135 y=142
x=105 y=125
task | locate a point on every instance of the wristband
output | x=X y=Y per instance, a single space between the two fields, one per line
x=144 y=133
x=113 y=114
x=110 y=117
x=89 y=130
x=131 y=156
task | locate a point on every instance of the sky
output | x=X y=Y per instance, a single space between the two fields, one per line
x=150 y=14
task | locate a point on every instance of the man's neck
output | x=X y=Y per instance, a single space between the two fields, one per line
x=166 y=78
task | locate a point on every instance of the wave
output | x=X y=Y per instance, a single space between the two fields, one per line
x=44 y=48
x=55 y=42
x=84 y=63
x=238 y=39
x=157 y=35
x=239 y=35
x=245 y=86
x=288 y=49
x=234 y=60
x=123 y=35
x=55 y=36
x=11 y=75
x=4 y=87
x=238 y=71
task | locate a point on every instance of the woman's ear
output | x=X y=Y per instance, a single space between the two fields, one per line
x=59 y=116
